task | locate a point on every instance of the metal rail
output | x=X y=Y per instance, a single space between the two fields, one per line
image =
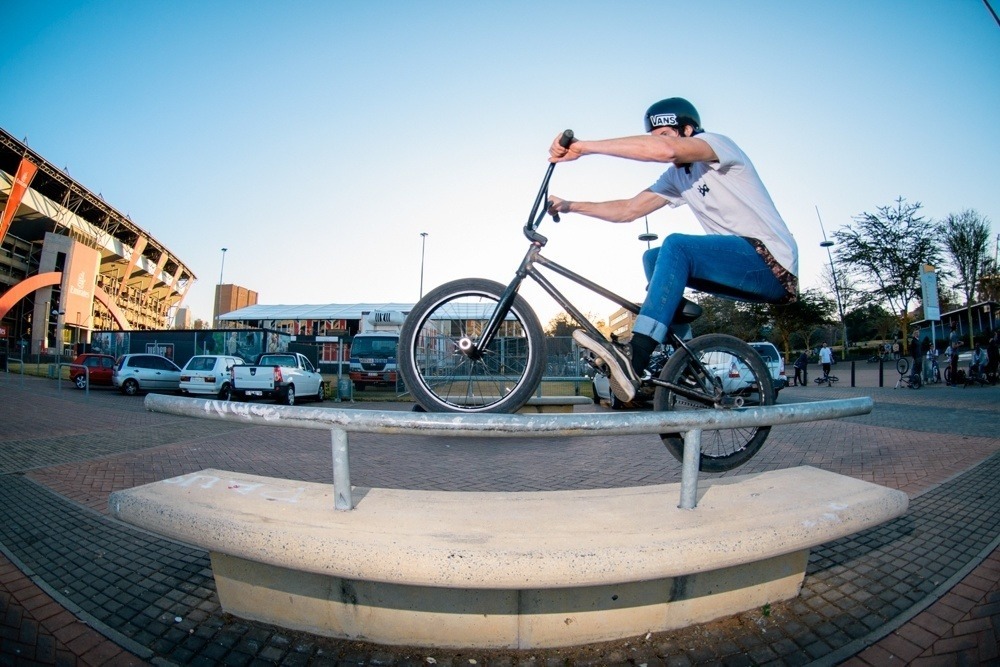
x=449 y=424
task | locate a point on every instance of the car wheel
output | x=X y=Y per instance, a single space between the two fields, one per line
x=226 y=393
x=130 y=387
x=290 y=395
x=80 y=381
x=322 y=392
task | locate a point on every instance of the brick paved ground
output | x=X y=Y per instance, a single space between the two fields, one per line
x=921 y=581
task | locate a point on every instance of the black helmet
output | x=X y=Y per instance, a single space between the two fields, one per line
x=673 y=112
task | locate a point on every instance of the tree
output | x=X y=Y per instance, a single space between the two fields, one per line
x=737 y=318
x=801 y=317
x=884 y=251
x=966 y=236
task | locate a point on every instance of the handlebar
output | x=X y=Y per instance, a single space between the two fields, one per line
x=565 y=140
x=542 y=199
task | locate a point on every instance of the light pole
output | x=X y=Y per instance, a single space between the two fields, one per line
x=647 y=237
x=218 y=296
x=836 y=286
x=423 y=244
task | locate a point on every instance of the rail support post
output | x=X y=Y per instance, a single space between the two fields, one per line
x=341 y=470
x=689 y=469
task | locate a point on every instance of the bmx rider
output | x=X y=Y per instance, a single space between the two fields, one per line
x=747 y=252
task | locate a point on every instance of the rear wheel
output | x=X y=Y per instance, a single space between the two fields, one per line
x=226 y=393
x=737 y=377
x=439 y=357
x=290 y=395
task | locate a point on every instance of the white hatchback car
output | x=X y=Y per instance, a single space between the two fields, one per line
x=145 y=372
x=209 y=374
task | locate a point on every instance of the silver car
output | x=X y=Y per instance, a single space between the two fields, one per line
x=136 y=373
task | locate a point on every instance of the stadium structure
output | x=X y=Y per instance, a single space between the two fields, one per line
x=71 y=264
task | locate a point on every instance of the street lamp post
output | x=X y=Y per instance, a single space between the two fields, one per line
x=836 y=286
x=218 y=297
x=647 y=237
x=423 y=244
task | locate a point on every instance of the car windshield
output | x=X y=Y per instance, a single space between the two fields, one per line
x=374 y=346
x=200 y=364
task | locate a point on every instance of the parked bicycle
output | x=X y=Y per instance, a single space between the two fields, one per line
x=474 y=345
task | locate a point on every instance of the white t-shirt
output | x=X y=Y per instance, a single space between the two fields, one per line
x=728 y=197
x=825 y=355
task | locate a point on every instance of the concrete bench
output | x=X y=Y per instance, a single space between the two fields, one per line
x=504 y=570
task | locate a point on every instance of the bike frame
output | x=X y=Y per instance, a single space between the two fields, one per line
x=528 y=269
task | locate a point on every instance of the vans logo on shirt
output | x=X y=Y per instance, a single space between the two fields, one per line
x=703 y=189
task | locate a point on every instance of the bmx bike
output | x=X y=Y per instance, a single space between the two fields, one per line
x=828 y=380
x=908 y=377
x=475 y=346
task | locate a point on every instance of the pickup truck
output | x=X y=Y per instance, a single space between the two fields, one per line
x=284 y=376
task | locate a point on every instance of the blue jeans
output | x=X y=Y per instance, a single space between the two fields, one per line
x=726 y=266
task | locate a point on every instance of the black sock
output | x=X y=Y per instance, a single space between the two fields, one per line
x=642 y=350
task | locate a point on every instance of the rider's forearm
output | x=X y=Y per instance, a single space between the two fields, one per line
x=649 y=148
x=611 y=211
x=617 y=210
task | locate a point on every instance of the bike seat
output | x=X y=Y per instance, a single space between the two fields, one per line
x=687 y=312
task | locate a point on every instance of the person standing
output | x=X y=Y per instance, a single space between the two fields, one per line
x=915 y=352
x=826 y=358
x=954 y=342
x=800 y=368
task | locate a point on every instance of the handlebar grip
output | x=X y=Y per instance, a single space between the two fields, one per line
x=566 y=139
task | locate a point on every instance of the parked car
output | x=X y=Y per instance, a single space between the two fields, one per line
x=721 y=364
x=145 y=372
x=209 y=374
x=99 y=370
x=774 y=362
x=283 y=376
x=601 y=385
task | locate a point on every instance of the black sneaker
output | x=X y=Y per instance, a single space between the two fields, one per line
x=623 y=380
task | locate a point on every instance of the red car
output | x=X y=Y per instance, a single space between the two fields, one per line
x=100 y=366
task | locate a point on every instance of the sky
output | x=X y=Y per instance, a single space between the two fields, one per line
x=317 y=140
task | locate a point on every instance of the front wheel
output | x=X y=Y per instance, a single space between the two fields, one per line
x=442 y=363
x=736 y=377
x=902 y=365
x=80 y=381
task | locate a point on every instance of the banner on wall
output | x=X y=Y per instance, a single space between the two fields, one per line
x=79 y=279
x=25 y=172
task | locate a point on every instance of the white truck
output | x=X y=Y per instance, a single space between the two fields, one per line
x=373 y=350
x=283 y=376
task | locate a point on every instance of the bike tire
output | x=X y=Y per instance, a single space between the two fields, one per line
x=721 y=449
x=902 y=365
x=442 y=379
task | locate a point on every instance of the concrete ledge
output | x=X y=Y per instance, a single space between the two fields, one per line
x=497 y=570
x=544 y=404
